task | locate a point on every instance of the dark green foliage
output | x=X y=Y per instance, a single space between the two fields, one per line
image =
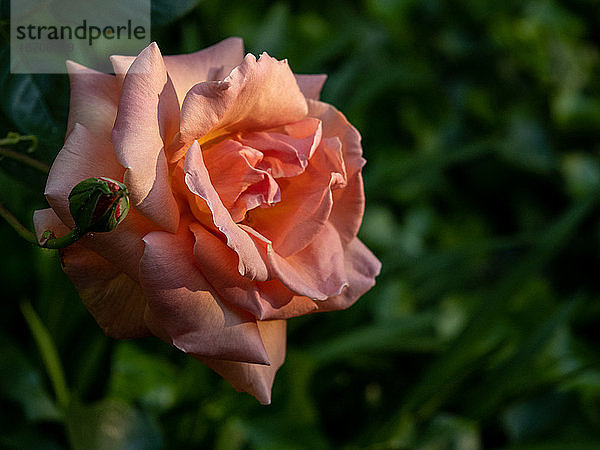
x=481 y=127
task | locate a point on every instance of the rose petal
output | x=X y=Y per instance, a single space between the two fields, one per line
x=182 y=304
x=121 y=65
x=113 y=298
x=265 y=300
x=239 y=184
x=349 y=203
x=250 y=264
x=252 y=378
x=317 y=271
x=147 y=114
x=209 y=64
x=83 y=156
x=306 y=204
x=361 y=267
x=123 y=247
x=285 y=155
x=311 y=85
x=46 y=219
x=278 y=302
x=257 y=95
x=217 y=263
x=94 y=100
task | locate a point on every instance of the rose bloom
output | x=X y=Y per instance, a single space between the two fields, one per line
x=246 y=197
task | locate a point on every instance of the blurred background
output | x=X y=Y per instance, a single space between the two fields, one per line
x=481 y=126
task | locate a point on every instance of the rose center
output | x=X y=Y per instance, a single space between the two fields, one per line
x=245 y=166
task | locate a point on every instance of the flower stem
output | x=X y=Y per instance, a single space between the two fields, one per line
x=17 y=226
x=34 y=163
x=49 y=241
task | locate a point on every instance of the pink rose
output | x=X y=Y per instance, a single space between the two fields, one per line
x=246 y=198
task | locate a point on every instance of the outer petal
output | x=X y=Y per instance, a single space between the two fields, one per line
x=94 y=100
x=281 y=303
x=210 y=64
x=146 y=119
x=252 y=378
x=83 y=156
x=121 y=65
x=113 y=298
x=183 y=306
x=123 y=247
x=317 y=271
x=362 y=267
x=250 y=265
x=259 y=94
x=311 y=85
x=349 y=203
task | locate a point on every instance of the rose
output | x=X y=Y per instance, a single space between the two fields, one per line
x=246 y=197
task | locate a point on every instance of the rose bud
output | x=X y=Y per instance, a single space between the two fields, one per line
x=98 y=204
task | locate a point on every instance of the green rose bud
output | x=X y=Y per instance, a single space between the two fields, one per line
x=98 y=204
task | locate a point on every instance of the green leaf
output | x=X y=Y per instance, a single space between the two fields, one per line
x=21 y=382
x=48 y=352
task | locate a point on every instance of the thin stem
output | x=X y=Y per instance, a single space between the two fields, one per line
x=48 y=241
x=17 y=226
x=25 y=160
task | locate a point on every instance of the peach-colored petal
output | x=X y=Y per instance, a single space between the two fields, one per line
x=311 y=85
x=362 y=267
x=317 y=271
x=250 y=264
x=46 y=219
x=94 y=100
x=83 y=156
x=182 y=304
x=210 y=64
x=233 y=173
x=285 y=155
x=160 y=205
x=265 y=300
x=113 y=298
x=348 y=208
x=278 y=302
x=216 y=260
x=252 y=378
x=257 y=95
x=123 y=247
x=306 y=204
x=148 y=112
x=121 y=65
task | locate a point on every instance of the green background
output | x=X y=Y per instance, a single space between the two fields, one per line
x=481 y=126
